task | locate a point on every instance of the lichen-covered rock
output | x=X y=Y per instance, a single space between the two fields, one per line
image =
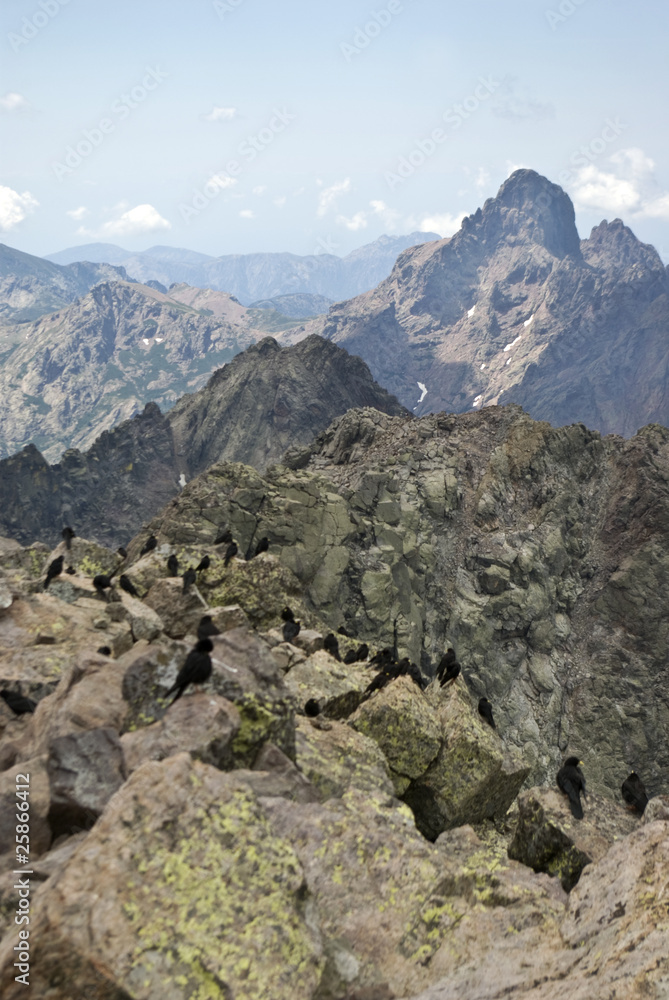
x=473 y=777
x=657 y=808
x=337 y=687
x=85 y=770
x=275 y=774
x=179 y=612
x=335 y=757
x=182 y=889
x=400 y=719
x=144 y=621
x=549 y=839
x=204 y=725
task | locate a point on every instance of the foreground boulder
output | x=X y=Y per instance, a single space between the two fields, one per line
x=335 y=757
x=549 y=839
x=85 y=770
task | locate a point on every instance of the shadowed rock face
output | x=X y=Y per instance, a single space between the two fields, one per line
x=515 y=308
x=539 y=554
x=251 y=410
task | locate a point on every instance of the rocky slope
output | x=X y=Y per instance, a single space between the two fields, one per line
x=515 y=308
x=266 y=399
x=255 y=276
x=81 y=370
x=31 y=286
x=226 y=845
x=539 y=554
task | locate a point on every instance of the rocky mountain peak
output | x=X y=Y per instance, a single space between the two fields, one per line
x=615 y=243
x=529 y=208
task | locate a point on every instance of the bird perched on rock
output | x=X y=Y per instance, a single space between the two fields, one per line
x=204 y=563
x=122 y=552
x=102 y=582
x=571 y=781
x=331 y=645
x=230 y=552
x=18 y=704
x=291 y=628
x=485 y=711
x=311 y=708
x=382 y=658
x=68 y=535
x=149 y=545
x=448 y=668
x=104 y=650
x=172 y=565
x=206 y=628
x=387 y=674
x=127 y=585
x=189 y=578
x=262 y=546
x=412 y=670
x=356 y=655
x=196 y=669
x=224 y=537
x=70 y=570
x=54 y=570
x=634 y=793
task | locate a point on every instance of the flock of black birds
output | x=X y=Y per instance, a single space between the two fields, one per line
x=198 y=665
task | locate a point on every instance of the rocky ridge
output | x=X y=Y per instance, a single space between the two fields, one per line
x=252 y=409
x=514 y=308
x=228 y=845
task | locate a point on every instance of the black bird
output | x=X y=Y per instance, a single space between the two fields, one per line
x=412 y=670
x=122 y=552
x=571 y=781
x=206 y=628
x=196 y=669
x=382 y=658
x=291 y=629
x=18 y=704
x=189 y=578
x=102 y=582
x=485 y=711
x=262 y=546
x=634 y=793
x=331 y=645
x=230 y=552
x=70 y=570
x=54 y=570
x=224 y=537
x=311 y=708
x=173 y=565
x=68 y=535
x=448 y=668
x=387 y=674
x=204 y=563
x=104 y=650
x=149 y=545
x=127 y=585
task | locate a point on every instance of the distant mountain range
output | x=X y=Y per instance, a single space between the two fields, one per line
x=255 y=276
x=266 y=400
x=31 y=286
x=516 y=308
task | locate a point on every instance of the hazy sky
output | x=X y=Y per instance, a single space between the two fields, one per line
x=244 y=125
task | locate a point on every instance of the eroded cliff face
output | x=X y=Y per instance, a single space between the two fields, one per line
x=539 y=554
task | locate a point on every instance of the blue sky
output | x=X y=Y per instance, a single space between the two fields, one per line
x=232 y=126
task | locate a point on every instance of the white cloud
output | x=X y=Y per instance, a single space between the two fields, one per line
x=131 y=222
x=358 y=221
x=247 y=213
x=329 y=195
x=14 y=206
x=388 y=216
x=14 y=102
x=445 y=224
x=260 y=189
x=220 y=114
x=221 y=181
x=629 y=187
x=280 y=201
x=77 y=213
